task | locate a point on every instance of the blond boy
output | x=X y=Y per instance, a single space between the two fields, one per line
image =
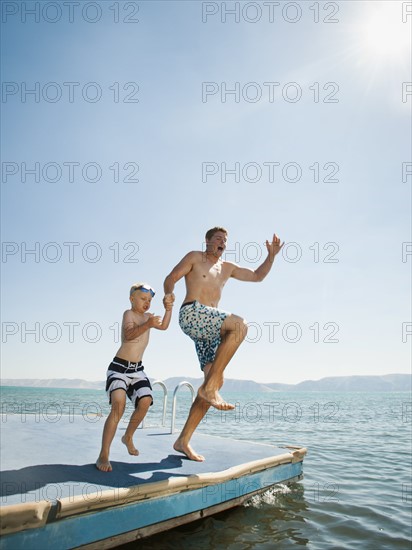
x=125 y=375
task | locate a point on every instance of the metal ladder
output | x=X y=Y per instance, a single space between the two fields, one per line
x=165 y=395
x=163 y=386
x=177 y=388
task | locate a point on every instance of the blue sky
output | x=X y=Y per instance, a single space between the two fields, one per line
x=342 y=276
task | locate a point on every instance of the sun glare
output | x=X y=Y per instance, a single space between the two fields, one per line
x=384 y=35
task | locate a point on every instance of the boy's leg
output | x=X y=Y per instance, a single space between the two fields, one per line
x=138 y=414
x=118 y=399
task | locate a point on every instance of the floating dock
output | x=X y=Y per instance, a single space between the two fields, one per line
x=54 y=497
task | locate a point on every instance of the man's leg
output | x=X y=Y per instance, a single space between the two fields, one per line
x=118 y=399
x=233 y=332
x=138 y=414
x=197 y=411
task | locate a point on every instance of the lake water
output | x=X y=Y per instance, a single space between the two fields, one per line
x=357 y=489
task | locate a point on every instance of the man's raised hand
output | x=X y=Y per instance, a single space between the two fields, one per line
x=274 y=247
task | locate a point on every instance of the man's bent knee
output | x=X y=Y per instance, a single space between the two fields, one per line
x=241 y=329
x=235 y=324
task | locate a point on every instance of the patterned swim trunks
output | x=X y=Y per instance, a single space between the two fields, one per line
x=130 y=377
x=202 y=324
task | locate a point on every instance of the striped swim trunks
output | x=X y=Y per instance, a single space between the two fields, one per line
x=202 y=324
x=130 y=377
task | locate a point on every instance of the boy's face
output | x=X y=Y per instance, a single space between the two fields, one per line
x=140 y=301
x=216 y=245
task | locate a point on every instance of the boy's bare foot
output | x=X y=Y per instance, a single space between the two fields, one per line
x=130 y=447
x=188 y=451
x=103 y=465
x=214 y=399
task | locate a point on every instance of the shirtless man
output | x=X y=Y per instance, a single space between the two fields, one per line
x=217 y=334
x=125 y=375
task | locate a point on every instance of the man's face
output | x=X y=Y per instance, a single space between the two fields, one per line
x=216 y=245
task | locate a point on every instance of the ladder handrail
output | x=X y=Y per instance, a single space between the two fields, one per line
x=163 y=386
x=177 y=388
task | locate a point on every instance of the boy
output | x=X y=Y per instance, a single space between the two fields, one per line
x=125 y=375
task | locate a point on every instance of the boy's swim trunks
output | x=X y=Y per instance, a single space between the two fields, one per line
x=129 y=377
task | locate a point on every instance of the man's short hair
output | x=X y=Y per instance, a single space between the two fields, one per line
x=211 y=232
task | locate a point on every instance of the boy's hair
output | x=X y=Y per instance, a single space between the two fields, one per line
x=211 y=232
x=135 y=287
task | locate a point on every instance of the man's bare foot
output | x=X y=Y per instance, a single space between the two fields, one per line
x=188 y=451
x=103 y=465
x=130 y=447
x=214 y=399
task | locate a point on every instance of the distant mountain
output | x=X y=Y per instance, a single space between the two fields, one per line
x=384 y=383
x=75 y=383
x=231 y=385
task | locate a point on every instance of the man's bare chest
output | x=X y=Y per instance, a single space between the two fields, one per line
x=211 y=273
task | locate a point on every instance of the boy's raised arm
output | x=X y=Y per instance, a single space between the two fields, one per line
x=166 y=317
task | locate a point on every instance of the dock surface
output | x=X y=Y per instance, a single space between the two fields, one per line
x=49 y=479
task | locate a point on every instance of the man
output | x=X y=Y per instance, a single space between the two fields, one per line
x=217 y=334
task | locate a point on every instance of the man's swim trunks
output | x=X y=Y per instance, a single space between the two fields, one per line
x=129 y=377
x=202 y=324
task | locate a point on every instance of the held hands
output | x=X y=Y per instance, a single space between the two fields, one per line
x=274 y=247
x=168 y=301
